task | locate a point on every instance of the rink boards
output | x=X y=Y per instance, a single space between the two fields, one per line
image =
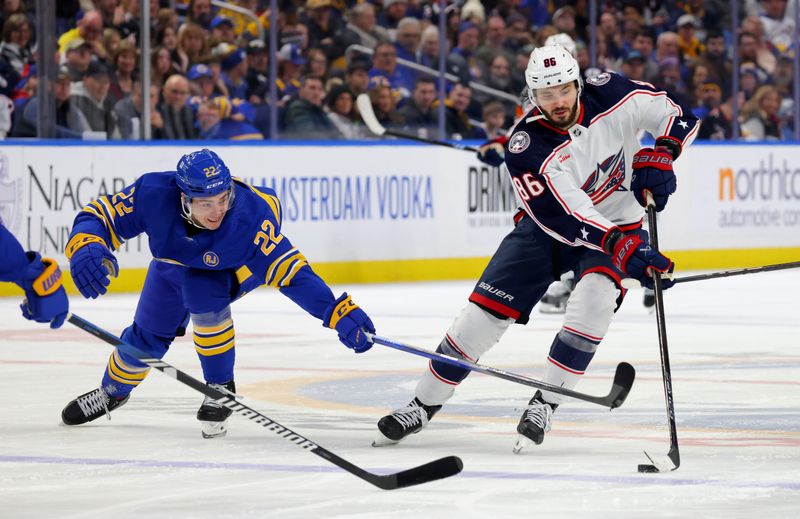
x=398 y=212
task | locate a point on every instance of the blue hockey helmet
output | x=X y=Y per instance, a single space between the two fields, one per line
x=202 y=174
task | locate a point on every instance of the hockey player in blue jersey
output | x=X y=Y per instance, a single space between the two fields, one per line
x=213 y=239
x=581 y=176
x=40 y=278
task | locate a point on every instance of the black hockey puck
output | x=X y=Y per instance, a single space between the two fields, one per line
x=648 y=468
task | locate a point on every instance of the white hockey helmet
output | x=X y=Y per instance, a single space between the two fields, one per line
x=564 y=40
x=551 y=65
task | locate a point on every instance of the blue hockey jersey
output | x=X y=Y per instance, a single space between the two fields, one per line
x=248 y=242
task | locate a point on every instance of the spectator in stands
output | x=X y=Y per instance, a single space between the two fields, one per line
x=750 y=78
x=111 y=40
x=499 y=74
x=428 y=49
x=714 y=58
x=783 y=77
x=564 y=21
x=385 y=106
x=192 y=45
x=494 y=118
x=234 y=72
x=357 y=76
x=257 y=69
x=111 y=12
x=70 y=122
x=317 y=64
x=667 y=47
x=77 y=59
x=129 y=114
x=201 y=82
x=90 y=29
x=698 y=75
x=418 y=114
x=340 y=105
x=632 y=66
x=12 y=7
x=645 y=44
x=518 y=33
x=166 y=17
x=90 y=97
x=125 y=65
x=409 y=33
x=217 y=120
x=495 y=42
x=222 y=30
x=759 y=116
x=609 y=32
x=468 y=40
x=778 y=25
x=161 y=65
x=290 y=63
x=752 y=48
x=384 y=65
x=16 y=45
x=393 y=11
x=199 y=12
x=322 y=27
x=457 y=124
x=716 y=123
x=361 y=29
x=689 y=44
x=176 y=114
x=670 y=79
x=305 y=118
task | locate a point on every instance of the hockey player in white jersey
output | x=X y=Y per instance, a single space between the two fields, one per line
x=582 y=175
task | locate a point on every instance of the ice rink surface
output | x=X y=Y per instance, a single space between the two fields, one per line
x=736 y=376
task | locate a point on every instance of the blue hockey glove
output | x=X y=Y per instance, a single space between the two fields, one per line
x=350 y=322
x=493 y=152
x=45 y=298
x=638 y=260
x=87 y=265
x=652 y=171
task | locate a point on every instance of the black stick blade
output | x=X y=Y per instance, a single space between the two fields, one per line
x=623 y=381
x=437 y=469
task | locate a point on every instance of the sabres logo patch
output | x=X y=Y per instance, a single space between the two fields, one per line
x=519 y=142
x=210 y=259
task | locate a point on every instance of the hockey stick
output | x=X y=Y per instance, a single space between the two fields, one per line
x=623 y=379
x=633 y=283
x=672 y=460
x=368 y=115
x=739 y=272
x=438 y=469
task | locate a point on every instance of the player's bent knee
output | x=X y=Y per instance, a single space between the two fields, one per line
x=592 y=305
x=474 y=332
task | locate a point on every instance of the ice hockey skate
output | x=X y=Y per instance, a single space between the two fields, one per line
x=213 y=416
x=555 y=299
x=91 y=406
x=404 y=421
x=534 y=423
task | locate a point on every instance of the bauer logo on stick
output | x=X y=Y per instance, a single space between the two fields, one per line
x=519 y=142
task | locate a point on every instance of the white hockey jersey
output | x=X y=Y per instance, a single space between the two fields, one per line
x=575 y=183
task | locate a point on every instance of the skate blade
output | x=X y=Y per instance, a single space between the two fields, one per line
x=213 y=429
x=522 y=443
x=383 y=441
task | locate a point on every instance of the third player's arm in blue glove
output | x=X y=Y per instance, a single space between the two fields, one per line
x=493 y=152
x=45 y=298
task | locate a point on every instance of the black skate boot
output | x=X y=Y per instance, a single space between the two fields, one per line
x=535 y=422
x=214 y=416
x=404 y=421
x=91 y=406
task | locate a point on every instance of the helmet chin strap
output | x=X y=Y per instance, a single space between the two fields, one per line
x=186 y=211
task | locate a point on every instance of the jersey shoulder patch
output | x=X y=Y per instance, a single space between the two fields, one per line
x=519 y=141
x=600 y=79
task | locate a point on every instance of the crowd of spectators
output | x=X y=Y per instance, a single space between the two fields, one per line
x=210 y=67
